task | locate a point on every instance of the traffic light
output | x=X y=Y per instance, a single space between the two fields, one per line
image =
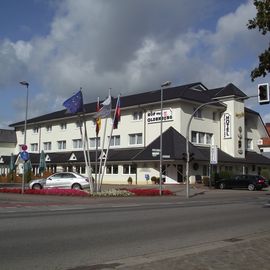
x=191 y=156
x=263 y=93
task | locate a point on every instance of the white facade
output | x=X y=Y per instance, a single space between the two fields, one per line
x=229 y=127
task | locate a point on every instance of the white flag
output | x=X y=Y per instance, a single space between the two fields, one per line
x=105 y=111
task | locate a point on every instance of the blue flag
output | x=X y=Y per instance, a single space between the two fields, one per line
x=75 y=103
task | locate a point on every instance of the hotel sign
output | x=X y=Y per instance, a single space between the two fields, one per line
x=155 y=116
x=227 y=126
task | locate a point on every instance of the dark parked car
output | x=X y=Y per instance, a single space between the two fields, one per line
x=252 y=182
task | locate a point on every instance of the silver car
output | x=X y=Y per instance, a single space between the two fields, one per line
x=61 y=180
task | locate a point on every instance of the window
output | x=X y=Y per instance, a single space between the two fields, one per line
x=61 y=145
x=215 y=116
x=93 y=142
x=49 y=128
x=135 y=138
x=194 y=137
x=115 y=140
x=249 y=144
x=201 y=137
x=35 y=130
x=198 y=113
x=112 y=169
x=47 y=146
x=77 y=143
x=34 y=147
x=63 y=126
x=208 y=137
x=137 y=115
x=129 y=169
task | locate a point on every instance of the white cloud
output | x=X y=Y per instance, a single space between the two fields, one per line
x=130 y=46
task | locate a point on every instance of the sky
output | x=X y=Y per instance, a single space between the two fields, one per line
x=130 y=46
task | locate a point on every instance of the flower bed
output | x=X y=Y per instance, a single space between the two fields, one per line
x=75 y=192
x=51 y=191
x=149 y=192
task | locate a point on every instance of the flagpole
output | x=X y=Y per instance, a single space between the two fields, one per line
x=101 y=157
x=84 y=153
x=97 y=131
x=88 y=156
x=103 y=139
x=107 y=152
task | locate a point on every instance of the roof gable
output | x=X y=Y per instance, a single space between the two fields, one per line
x=229 y=90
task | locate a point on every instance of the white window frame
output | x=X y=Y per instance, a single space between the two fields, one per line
x=77 y=143
x=94 y=142
x=115 y=140
x=198 y=113
x=35 y=130
x=135 y=139
x=34 y=147
x=49 y=128
x=137 y=116
x=202 y=138
x=47 y=146
x=130 y=168
x=112 y=169
x=63 y=126
x=61 y=145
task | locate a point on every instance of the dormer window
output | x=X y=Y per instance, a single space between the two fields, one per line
x=198 y=113
x=35 y=130
x=63 y=126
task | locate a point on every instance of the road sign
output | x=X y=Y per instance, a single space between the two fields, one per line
x=155 y=152
x=24 y=147
x=24 y=155
x=213 y=154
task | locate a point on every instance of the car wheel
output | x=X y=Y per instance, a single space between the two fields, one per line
x=76 y=186
x=37 y=186
x=251 y=187
x=222 y=186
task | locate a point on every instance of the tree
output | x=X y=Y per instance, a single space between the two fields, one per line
x=262 y=22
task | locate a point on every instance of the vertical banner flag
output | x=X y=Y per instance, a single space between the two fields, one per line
x=117 y=114
x=98 y=120
x=105 y=111
x=75 y=103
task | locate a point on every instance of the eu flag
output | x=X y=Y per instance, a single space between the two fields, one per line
x=75 y=103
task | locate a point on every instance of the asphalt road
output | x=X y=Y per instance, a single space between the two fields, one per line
x=78 y=234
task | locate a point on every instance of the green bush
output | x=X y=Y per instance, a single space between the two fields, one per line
x=206 y=181
x=265 y=173
x=154 y=179
x=130 y=180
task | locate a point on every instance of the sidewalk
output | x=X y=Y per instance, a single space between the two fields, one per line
x=247 y=254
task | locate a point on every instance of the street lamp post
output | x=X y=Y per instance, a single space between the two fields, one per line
x=165 y=84
x=25 y=83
